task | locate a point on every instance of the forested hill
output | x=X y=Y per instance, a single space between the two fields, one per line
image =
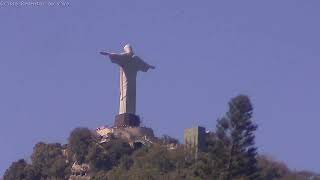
x=230 y=153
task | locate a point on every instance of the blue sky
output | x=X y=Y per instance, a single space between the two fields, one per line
x=53 y=79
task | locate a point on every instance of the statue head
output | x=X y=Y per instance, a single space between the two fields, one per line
x=128 y=49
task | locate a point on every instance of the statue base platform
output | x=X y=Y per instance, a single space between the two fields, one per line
x=127 y=120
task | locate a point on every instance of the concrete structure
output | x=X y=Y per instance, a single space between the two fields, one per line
x=130 y=65
x=127 y=120
x=104 y=131
x=195 y=138
x=129 y=133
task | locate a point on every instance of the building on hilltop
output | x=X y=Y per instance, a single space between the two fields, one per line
x=194 y=138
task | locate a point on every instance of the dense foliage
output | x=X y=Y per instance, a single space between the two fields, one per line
x=235 y=132
x=230 y=154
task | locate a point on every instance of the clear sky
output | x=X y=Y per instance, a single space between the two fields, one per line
x=205 y=52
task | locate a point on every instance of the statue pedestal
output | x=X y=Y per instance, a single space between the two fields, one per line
x=127 y=119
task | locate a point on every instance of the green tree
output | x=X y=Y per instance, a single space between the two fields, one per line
x=106 y=156
x=271 y=169
x=48 y=160
x=166 y=139
x=235 y=134
x=80 y=141
x=20 y=170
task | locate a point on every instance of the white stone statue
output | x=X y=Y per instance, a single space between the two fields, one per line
x=129 y=64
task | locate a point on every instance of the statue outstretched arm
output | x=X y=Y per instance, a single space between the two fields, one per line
x=151 y=67
x=145 y=67
x=104 y=53
x=141 y=65
x=115 y=58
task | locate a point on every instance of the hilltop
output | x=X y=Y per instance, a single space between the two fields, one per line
x=133 y=152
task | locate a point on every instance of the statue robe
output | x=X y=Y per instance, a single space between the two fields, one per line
x=129 y=67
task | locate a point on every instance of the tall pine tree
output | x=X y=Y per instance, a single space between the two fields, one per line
x=235 y=132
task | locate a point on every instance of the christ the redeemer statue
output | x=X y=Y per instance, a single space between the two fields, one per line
x=129 y=64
